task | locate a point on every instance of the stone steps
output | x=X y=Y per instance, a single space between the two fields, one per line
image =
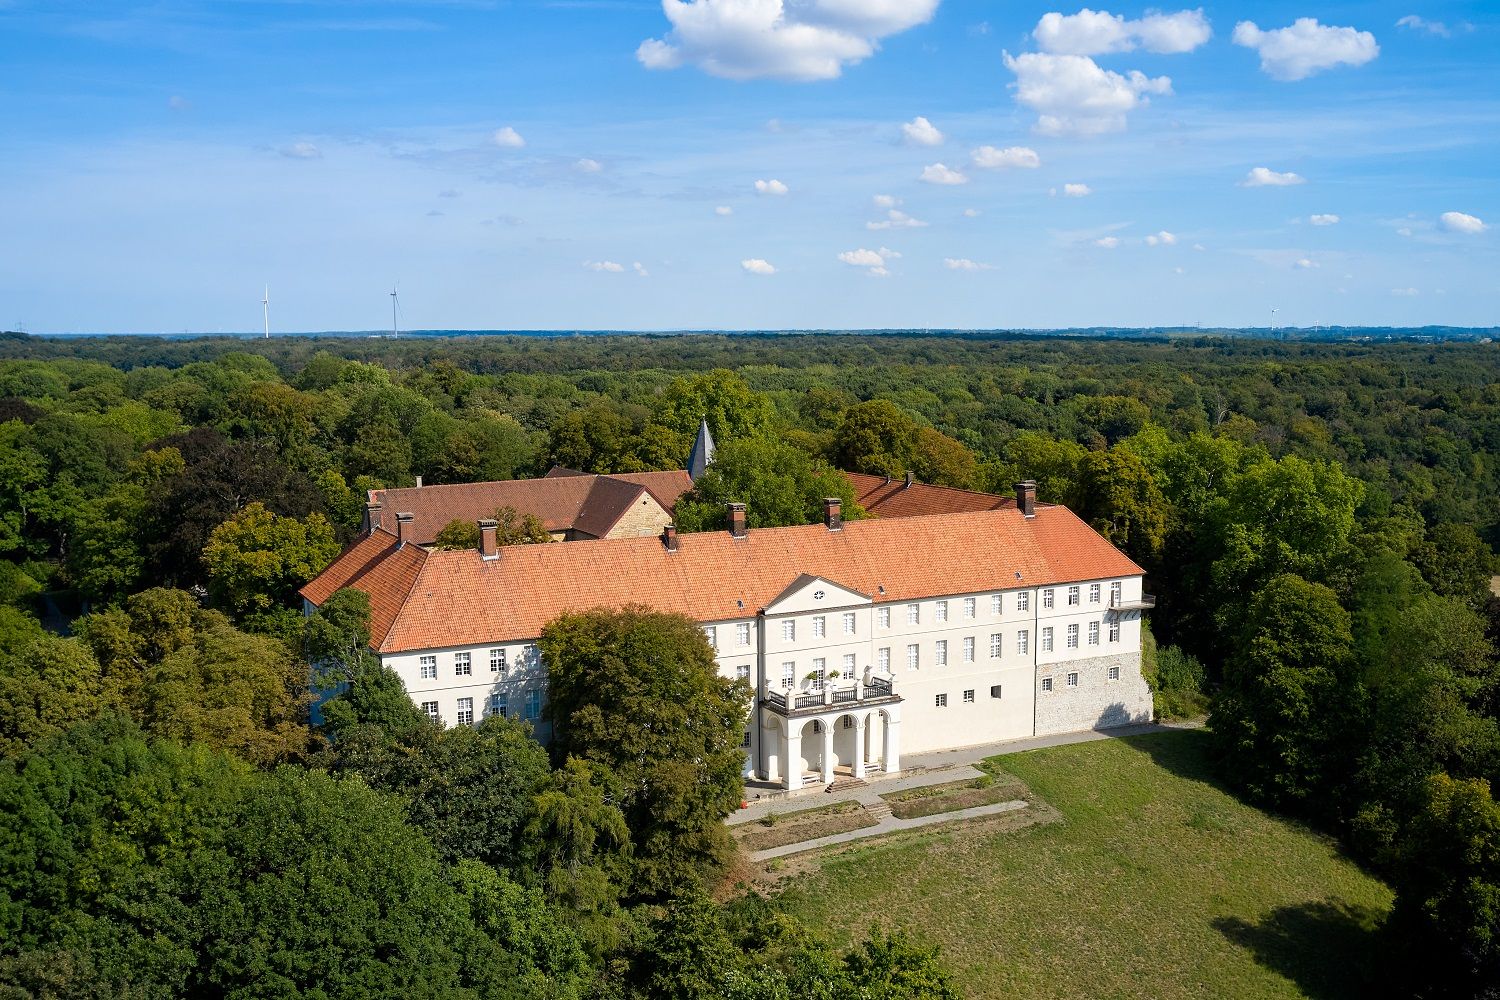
x=878 y=810
x=844 y=784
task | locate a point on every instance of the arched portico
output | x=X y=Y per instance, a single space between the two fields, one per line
x=817 y=748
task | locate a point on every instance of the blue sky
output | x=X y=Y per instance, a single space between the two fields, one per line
x=742 y=164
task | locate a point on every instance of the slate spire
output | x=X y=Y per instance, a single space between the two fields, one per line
x=703 y=452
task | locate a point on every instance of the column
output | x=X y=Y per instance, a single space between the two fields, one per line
x=892 y=745
x=792 y=768
x=859 y=746
x=827 y=753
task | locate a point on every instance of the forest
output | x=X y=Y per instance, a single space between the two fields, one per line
x=1318 y=521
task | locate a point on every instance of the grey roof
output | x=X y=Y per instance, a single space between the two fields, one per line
x=703 y=452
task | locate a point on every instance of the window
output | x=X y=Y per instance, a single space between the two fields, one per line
x=969 y=649
x=1093 y=633
x=745 y=740
x=848 y=622
x=883 y=617
x=942 y=701
x=428 y=668
x=742 y=634
x=463 y=666
x=1046 y=598
x=1023 y=601
x=497 y=661
x=940 y=611
x=969 y=696
x=711 y=633
x=429 y=709
x=742 y=673
x=1114 y=673
x=848 y=721
x=971 y=607
x=533 y=704
x=1072 y=680
x=883 y=658
x=788 y=673
x=848 y=666
x=1046 y=684
x=817 y=725
x=1072 y=596
x=913 y=657
x=820 y=626
x=997 y=604
x=497 y=705
x=1093 y=593
x=1114 y=631
x=914 y=614
x=995 y=645
x=1047 y=639
x=789 y=631
x=995 y=690
x=1114 y=593
x=1023 y=642
x=466 y=711
x=1072 y=636
x=819 y=673
x=940 y=654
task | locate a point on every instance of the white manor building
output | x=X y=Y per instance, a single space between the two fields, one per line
x=955 y=619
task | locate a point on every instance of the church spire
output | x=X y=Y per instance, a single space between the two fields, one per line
x=703 y=452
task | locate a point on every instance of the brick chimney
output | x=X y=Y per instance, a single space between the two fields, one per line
x=372 y=516
x=488 y=549
x=669 y=537
x=737 y=520
x=910 y=478
x=1026 y=497
x=833 y=513
x=404 y=530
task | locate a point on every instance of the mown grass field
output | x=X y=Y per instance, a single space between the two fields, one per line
x=1155 y=883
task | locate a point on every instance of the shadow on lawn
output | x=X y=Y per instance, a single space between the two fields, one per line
x=1329 y=949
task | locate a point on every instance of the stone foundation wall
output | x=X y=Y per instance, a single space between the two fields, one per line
x=1097 y=702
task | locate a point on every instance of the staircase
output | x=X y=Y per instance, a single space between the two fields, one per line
x=878 y=810
x=842 y=784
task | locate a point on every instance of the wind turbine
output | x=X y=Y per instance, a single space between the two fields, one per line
x=395 y=328
x=265 y=305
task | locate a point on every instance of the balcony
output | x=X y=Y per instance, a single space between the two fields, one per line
x=835 y=694
x=1146 y=603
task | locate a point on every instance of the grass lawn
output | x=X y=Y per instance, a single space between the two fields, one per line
x=1155 y=883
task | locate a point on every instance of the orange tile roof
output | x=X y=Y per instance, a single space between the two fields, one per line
x=665 y=487
x=458 y=599
x=381 y=568
x=884 y=497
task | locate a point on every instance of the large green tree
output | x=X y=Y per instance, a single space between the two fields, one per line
x=778 y=484
x=257 y=560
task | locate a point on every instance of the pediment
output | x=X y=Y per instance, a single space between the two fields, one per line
x=814 y=593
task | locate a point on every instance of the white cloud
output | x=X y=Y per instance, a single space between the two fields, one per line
x=1304 y=264
x=921 y=132
x=1162 y=238
x=937 y=173
x=604 y=265
x=1199 y=246
x=1072 y=95
x=1305 y=47
x=807 y=40
x=1458 y=222
x=772 y=186
x=1091 y=32
x=886 y=201
x=1404 y=231
x=757 y=266
x=640 y=269
x=588 y=166
x=1323 y=220
x=1405 y=292
x=1266 y=177
x=990 y=158
x=1416 y=23
x=1076 y=190
x=302 y=151
x=971 y=213
x=1107 y=242
x=507 y=138
x=873 y=260
x=965 y=264
x=723 y=210
x=895 y=219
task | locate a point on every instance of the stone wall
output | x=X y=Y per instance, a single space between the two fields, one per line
x=644 y=519
x=1096 y=702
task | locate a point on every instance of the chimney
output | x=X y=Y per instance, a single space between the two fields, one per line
x=372 y=516
x=487 y=547
x=833 y=513
x=1026 y=497
x=909 y=480
x=404 y=531
x=669 y=537
x=737 y=520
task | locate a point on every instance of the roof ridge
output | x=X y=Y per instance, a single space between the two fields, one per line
x=406 y=597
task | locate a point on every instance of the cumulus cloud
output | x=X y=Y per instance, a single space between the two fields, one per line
x=604 y=265
x=1072 y=95
x=771 y=186
x=873 y=261
x=1304 y=264
x=886 y=201
x=1425 y=26
x=990 y=158
x=1458 y=222
x=1306 y=47
x=1266 y=177
x=921 y=132
x=748 y=39
x=895 y=219
x=1075 y=190
x=1107 y=242
x=302 y=151
x=1323 y=220
x=937 y=173
x=723 y=210
x=757 y=266
x=965 y=264
x=588 y=166
x=1096 y=32
x=1163 y=238
x=640 y=269
x=971 y=213
x=507 y=138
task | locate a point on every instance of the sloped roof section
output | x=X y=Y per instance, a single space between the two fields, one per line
x=665 y=487
x=379 y=566
x=561 y=502
x=884 y=497
x=459 y=599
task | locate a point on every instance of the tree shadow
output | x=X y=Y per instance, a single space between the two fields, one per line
x=1329 y=949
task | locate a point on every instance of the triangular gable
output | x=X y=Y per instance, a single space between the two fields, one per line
x=811 y=593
